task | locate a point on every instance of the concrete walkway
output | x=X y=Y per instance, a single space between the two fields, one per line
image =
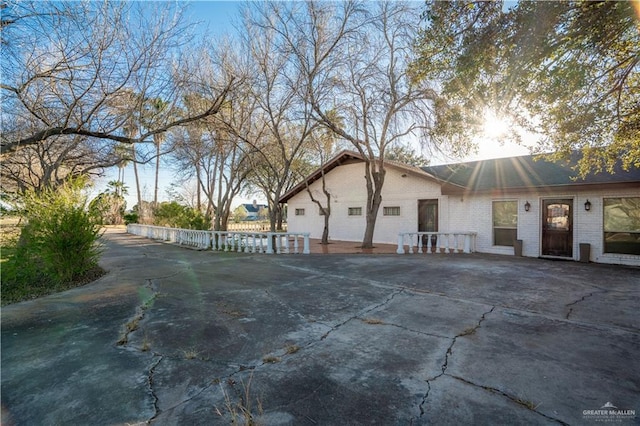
x=173 y=336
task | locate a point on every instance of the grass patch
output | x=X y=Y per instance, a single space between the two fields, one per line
x=190 y=353
x=372 y=321
x=271 y=359
x=291 y=349
x=529 y=404
x=467 y=332
x=244 y=409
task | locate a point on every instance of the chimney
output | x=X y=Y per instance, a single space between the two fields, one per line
x=255 y=204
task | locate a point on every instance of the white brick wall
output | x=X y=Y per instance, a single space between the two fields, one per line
x=456 y=213
x=347 y=187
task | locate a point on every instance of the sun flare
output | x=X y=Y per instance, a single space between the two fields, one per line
x=494 y=126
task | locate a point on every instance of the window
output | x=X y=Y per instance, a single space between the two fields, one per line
x=505 y=222
x=391 y=211
x=299 y=212
x=321 y=210
x=622 y=225
x=355 y=211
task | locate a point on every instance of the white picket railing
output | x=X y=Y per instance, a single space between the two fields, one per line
x=230 y=241
x=436 y=242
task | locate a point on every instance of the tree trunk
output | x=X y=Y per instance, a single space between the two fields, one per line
x=375 y=180
x=325 y=231
x=155 y=191
x=141 y=210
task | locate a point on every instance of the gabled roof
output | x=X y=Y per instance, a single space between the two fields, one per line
x=253 y=208
x=349 y=157
x=524 y=173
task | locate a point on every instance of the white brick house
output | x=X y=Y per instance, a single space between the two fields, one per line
x=537 y=202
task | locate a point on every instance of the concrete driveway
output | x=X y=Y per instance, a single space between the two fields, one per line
x=174 y=336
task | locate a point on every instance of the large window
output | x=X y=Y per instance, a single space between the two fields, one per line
x=505 y=222
x=622 y=225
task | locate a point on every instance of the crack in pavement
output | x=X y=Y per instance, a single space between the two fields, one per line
x=580 y=300
x=156 y=409
x=449 y=351
x=520 y=401
x=133 y=323
x=364 y=312
x=410 y=330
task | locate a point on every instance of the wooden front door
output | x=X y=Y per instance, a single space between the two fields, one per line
x=557 y=228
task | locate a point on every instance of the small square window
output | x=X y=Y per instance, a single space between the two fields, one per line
x=355 y=211
x=299 y=212
x=321 y=210
x=391 y=211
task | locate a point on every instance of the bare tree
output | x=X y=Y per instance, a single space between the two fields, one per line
x=50 y=163
x=354 y=57
x=68 y=63
x=323 y=146
x=284 y=120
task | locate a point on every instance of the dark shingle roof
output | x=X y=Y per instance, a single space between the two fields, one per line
x=251 y=208
x=524 y=172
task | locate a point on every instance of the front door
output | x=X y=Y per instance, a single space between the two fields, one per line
x=428 y=216
x=557 y=228
x=428 y=219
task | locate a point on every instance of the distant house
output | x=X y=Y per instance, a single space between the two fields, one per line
x=540 y=203
x=252 y=211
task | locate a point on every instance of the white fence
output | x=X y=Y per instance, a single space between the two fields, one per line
x=436 y=242
x=231 y=241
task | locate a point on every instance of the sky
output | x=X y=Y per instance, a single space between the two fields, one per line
x=213 y=19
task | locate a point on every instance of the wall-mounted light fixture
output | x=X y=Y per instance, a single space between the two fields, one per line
x=587 y=205
x=527 y=206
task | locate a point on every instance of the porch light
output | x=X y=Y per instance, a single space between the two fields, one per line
x=527 y=206
x=587 y=205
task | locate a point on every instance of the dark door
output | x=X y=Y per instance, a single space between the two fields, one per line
x=428 y=216
x=557 y=228
x=428 y=220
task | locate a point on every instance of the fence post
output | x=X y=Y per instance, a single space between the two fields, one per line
x=306 y=249
x=400 y=249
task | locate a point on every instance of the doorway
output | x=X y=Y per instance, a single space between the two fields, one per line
x=428 y=219
x=557 y=227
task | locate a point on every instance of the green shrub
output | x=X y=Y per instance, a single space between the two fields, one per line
x=130 y=218
x=59 y=242
x=175 y=215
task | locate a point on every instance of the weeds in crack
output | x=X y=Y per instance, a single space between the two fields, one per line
x=146 y=344
x=241 y=411
x=134 y=323
x=516 y=399
x=291 y=349
x=372 y=321
x=271 y=359
x=528 y=404
x=190 y=353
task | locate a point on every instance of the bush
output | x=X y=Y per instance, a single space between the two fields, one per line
x=109 y=208
x=130 y=218
x=58 y=244
x=175 y=215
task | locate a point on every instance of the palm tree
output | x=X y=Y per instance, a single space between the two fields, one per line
x=156 y=107
x=123 y=153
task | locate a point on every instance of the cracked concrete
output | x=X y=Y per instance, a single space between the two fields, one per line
x=324 y=339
